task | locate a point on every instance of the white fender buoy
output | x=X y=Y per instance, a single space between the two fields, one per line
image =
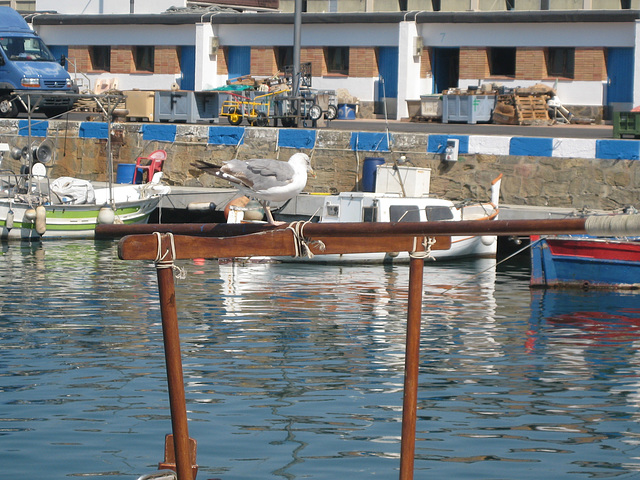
x=254 y=211
x=9 y=221
x=487 y=240
x=41 y=219
x=106 y=215
x=30 y=214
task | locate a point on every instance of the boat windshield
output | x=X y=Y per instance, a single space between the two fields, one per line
x=26 y=49
x=438 y=213
x=404 y=213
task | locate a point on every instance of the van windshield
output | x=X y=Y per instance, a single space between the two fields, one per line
x=25 y=49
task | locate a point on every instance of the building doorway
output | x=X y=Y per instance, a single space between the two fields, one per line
x=238 y=61
x=620 y=66
x=446 y=68
x=387 y=86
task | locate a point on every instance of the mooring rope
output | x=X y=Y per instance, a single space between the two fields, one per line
x=531 y=244
x=165 y=260
x=302 y=243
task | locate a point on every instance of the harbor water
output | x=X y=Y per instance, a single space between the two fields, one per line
x=296 y=371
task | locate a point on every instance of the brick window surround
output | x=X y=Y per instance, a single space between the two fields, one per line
x=590 y=64
x=166 y=59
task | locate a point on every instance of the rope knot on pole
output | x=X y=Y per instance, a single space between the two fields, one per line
x=165 y=260
x=301 y=243
x=427 y=243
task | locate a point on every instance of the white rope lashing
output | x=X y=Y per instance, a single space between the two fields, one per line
x=301 y=243
x=613 y=225
x=165 y=260
x=427 y=243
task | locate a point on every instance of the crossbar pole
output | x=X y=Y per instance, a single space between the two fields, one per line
x=604 y=225
x=463 y=227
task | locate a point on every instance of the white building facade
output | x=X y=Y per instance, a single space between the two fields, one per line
x=381 y=59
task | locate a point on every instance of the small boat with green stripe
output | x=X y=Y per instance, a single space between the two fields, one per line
x=33 y=208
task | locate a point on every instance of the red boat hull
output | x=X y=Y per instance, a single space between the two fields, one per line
x=585 y=262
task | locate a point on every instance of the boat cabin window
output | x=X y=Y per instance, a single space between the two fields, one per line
x=369 y=214
x=438 y=213
x=404 y=213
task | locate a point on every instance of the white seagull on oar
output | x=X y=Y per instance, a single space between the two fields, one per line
x=264 y=179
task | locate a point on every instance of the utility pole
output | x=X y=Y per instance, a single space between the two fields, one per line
x=295 y=80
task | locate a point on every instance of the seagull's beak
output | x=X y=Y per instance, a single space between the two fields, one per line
x=311 y=172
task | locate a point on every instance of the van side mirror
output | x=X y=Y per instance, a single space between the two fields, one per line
x=63 y=60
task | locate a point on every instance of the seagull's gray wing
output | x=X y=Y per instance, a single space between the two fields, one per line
x=260 y=173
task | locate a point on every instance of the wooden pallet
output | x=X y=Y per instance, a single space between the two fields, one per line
x=531 y=109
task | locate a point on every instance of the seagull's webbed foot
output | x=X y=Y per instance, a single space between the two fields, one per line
x=267 y=212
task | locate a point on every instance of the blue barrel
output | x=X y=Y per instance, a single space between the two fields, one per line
x=369 y=173
x=125 y=172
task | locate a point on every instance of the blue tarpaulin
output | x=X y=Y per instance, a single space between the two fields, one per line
x=160 y=133
x=38 y=128
x=93 y=130
x=291 y=138
x=369 y=141
x=226 y=135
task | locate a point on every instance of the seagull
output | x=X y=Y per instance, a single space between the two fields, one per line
x=264 y=179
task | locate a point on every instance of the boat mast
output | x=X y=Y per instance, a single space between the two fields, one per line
x=107 y=112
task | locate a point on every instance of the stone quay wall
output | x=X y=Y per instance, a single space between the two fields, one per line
x=569 y=173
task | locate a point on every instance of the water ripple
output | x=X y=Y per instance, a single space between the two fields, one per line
x=297 y=371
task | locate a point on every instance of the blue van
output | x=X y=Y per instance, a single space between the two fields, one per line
x=27 y=66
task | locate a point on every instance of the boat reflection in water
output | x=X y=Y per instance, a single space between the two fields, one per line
x=296 y=371
x=592 y=322
x=321 y=351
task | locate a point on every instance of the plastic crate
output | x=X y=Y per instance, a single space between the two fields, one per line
x=431 y=106
x=626 y=123
x=467 y=108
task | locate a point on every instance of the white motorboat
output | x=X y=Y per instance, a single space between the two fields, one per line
x=32 y=207
x=393 y=204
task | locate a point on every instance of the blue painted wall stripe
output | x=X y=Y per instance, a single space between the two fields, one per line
x=531 y=146
x=606 y=149
x=618 y=149
x=161 y=133
x=38 y=128
x=93 y=130
x=369 y=142
x=292 y=138
x=226 y=135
